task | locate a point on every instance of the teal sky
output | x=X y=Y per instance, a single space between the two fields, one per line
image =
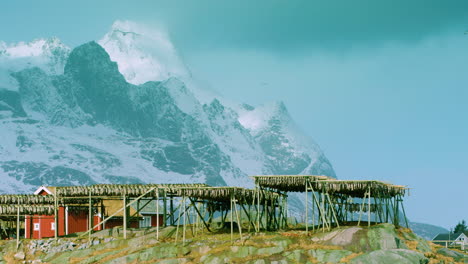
x=380 y=85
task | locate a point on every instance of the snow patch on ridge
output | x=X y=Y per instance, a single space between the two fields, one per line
x=96 y=151
x=257 y=119
x=48 y=54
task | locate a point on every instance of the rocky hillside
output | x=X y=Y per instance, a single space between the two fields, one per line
x=377 y=244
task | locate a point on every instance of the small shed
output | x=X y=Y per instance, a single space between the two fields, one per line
x=451 y=239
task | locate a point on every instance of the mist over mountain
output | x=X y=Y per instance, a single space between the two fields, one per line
x=125 y=109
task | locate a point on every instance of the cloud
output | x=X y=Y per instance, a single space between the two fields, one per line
x=276 y=25
x=304 y=24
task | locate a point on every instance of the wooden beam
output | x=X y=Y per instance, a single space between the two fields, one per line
x=118 y=211
x=332 y=208
x=248 y=216
x=199 y=214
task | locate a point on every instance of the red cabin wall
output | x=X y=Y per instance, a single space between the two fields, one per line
x=111 y=223
x=45 y=225
x=154 y=222
x=61 y=221
x=96 y=220
x=77 y=221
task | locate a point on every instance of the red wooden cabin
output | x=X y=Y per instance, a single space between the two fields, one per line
x=73 y=219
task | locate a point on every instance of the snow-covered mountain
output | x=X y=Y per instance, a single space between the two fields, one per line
x=48 y=54
x=125 y=110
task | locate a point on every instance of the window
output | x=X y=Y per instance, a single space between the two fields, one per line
x=52 y=226
x=36 y=227
x=146 y=222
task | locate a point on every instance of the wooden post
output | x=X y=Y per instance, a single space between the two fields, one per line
x=18 y=225
x=320 y=209
x=55 y=216
x=361 y=208
x=313 y=217
x=396 y=213
x=322 y=202
x=391 y=210
x=118 y=211
x=165 y=208
x=258 y=209
x=125 y=215
x=185 y=221
x=248 y=216
x=332 y=208
x=385 y=213
x=239 y=225
x=103 y=210
x=285 y=210
x=202 y=217
x=178 y=219
x=404 y=213
x=306 y=206
x=368 y=208
x=90 y=223
x=191 y=215
x=232 y=224
x=265 y=209
x=172 y=209
x=251 y=211
x=197 y=207
x=157 y=213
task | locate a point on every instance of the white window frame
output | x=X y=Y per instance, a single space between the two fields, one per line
x=37 y=227
x=52 y=226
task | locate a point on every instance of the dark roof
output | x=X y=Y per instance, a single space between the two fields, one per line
x=448 y=236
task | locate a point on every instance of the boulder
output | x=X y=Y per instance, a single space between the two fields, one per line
x=328 y=255
x=20 y=255
x=457 y=256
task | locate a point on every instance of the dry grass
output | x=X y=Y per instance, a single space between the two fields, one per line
x=412 y=244
x=348 y=258
x=435 y=258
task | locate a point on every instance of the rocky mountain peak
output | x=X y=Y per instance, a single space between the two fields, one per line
x=90 y=63
x=142 y=53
